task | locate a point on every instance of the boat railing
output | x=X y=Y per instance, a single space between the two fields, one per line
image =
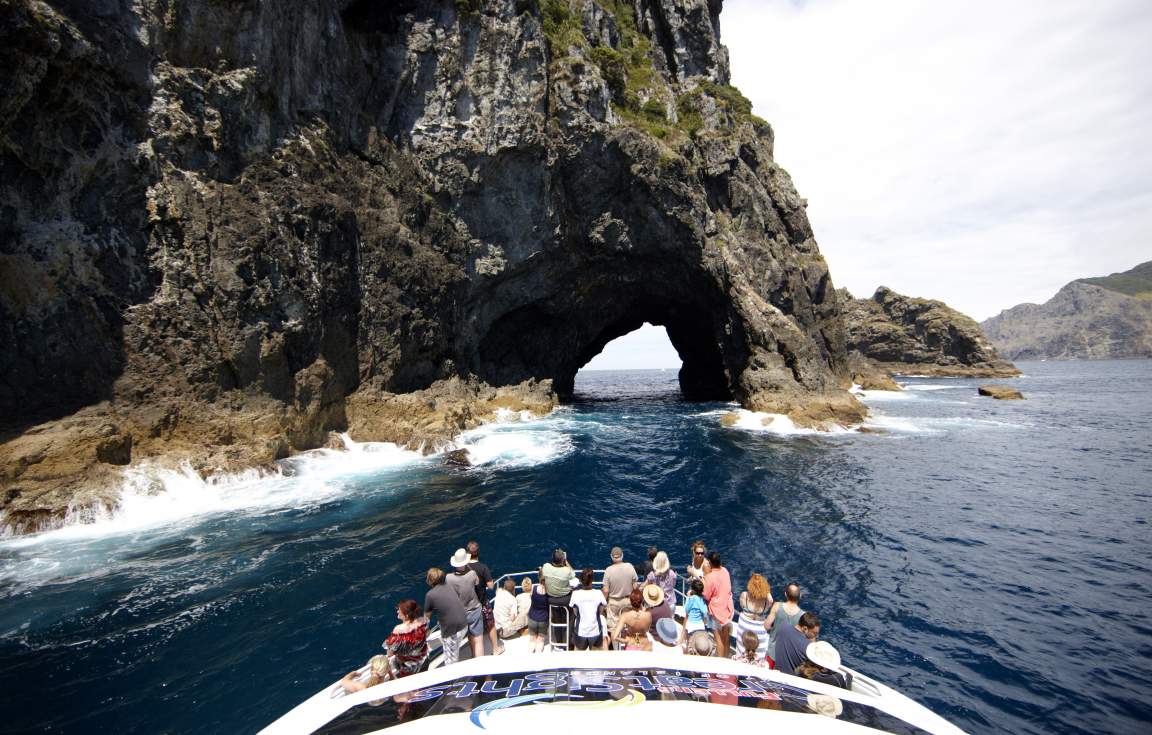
x=534 y=575
x=597 y=583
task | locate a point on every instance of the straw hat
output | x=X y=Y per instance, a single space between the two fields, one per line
x=660 y=563
x=823 y=654
x=653 y=595
x=822 y=704
x=461 y=558
x=701 y=644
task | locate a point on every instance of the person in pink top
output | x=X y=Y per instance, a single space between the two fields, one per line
x=718 y=593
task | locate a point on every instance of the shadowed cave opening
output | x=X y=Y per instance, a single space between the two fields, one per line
x=541 y=341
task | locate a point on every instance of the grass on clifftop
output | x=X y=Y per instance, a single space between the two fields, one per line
x=639 y=95
x=1135 y=282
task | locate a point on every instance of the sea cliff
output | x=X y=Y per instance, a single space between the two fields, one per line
x=1088 y=319
x=231 y=228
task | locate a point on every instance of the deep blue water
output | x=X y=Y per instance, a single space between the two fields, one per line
x=990 y=559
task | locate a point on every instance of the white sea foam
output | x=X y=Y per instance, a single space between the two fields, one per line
x=154 y=496
x=880 y=396
x=525 y=445
x=925 y=387
x=898 y=425
x=777 y=423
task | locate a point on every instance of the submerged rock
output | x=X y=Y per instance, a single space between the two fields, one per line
x=458 y=458
x=1000 y=392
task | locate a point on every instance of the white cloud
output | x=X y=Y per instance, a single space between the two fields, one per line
x=983 y=153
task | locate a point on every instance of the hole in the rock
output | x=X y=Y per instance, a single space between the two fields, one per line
x=643 y=360
x=554 y=340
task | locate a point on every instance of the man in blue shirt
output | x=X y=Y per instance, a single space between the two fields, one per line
x=793 y=640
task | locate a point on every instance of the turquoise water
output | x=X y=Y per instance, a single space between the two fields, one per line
x=990 y=559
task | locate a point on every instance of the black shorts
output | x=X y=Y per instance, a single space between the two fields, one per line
x=489 y=619
x=583 y=644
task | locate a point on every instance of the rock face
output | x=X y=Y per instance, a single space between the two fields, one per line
x=1088 y=319
x=915 y=336
x=238 y=226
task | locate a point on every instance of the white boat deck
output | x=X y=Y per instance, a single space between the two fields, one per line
x=677 y=690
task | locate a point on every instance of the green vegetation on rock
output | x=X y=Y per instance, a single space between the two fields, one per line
x=469 y=7
x=639 y=95
x=1135 y=282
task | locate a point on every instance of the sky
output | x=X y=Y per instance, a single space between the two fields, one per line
x=981 y=153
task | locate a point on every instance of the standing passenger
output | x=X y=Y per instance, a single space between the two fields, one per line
x=755 y=602
x=664 y=577
x=443 y=601
x=464 y=581
x=698 y=567
x=718 y=593
x=484 y=574
x=645 y=567
x=538 y=617
x=589 y=604
x=619 y=581
x=695 y=611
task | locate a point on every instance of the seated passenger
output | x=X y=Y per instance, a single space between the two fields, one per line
x=505 y=611
x=700 y=643
x=523 y=602
x=748 y=641
x=558 y=578
x=667 y=632
x=377 y=674
x=633 y=626
x=588 y=604
x=792 y=642
x=655 y=603
x=822 y=664
x=695 y=611
x=407 y=646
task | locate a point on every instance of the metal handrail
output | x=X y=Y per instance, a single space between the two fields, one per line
x=597 y=583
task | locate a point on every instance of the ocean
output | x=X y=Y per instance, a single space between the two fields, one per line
x=990 y=559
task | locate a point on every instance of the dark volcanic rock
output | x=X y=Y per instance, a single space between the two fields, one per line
x=1088 y=319
x=248 y=224
x=915 y=336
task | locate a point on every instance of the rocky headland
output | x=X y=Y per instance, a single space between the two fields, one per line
x=230 y=229
x=903 y=335
x=1088 y=319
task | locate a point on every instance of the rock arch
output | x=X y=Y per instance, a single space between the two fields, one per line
x=553 y=340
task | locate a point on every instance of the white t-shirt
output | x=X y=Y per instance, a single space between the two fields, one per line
x=588 y=602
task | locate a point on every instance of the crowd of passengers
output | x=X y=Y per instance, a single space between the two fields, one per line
x=635 y=609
